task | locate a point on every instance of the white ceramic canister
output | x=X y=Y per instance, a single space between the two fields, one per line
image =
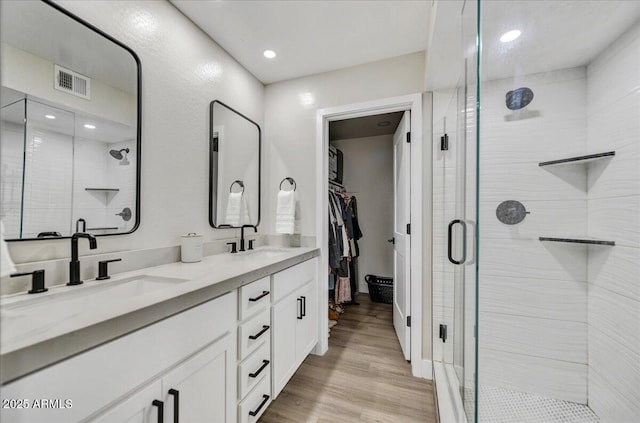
x=191 y=248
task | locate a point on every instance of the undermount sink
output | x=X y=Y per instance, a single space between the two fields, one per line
x=92 y=294
x=268 y=252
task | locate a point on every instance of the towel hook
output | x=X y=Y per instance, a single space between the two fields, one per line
x=290 y=180
x=237 y=182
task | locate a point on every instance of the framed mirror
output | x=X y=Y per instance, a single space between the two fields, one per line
x=234 y=168
x=70 y=130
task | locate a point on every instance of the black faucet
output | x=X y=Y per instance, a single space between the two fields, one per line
x=255 y=229
x=74 y=265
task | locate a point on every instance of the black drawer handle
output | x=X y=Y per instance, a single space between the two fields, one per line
x=160 y=405
x=176 y=404
x=255 y=412
x=259 y=334
x=259 y=297
x=265 y=363
x=304 y=306
x=300 y=316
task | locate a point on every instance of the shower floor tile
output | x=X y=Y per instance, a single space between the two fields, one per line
x=498 y=405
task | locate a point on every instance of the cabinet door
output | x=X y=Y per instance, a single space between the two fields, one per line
x=138 y=408
x=284 y=318
x=203 y=389
x=306 y=328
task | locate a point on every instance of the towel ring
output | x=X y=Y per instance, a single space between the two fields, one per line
x=236 y=182
x=290 y=180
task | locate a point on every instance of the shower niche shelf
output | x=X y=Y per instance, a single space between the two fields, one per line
x=103 y=193
x=581 y=240
x=579 y=159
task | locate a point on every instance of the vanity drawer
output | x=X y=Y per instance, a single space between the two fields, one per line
x=251 y=408
x=254 y=298
x=290 y=279
x=253 y=368
x=253 y=333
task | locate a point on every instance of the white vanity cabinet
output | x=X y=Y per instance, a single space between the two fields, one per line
x=294 y=315
x=193 y=352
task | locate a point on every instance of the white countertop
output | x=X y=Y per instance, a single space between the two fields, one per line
x=33 y=340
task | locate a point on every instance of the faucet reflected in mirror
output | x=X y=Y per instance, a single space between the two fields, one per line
x=74 y=265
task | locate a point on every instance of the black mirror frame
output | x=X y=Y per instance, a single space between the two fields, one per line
x=139 y=122
x=212 y=213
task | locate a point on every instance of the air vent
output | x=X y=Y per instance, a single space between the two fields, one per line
x=72 y=82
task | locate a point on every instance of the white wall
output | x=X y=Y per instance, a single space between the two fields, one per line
x=290 y=115
x=368 y=173
x=183 y=70
x=613 y=124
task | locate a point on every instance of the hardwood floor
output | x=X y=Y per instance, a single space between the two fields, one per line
x=362 y=378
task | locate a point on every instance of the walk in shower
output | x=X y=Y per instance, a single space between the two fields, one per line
x=536 y=211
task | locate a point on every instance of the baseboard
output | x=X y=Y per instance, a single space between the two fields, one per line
x=422 y=368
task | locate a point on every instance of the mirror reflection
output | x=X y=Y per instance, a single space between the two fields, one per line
x=234 y=177
x=69 y=127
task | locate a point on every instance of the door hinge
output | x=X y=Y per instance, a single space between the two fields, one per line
x=408 y=228
x=409 y=321
x=444 y=142
x=443 y=333
x=409 y=137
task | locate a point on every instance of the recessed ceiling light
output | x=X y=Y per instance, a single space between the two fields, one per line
x=269 y=54
x=50 y=116
x=89 y=126
x=510 y=36
x=384 y=123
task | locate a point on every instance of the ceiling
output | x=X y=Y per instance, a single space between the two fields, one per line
x=555 y=35
x=311 y=37
x=366 y=126
x=41 y=30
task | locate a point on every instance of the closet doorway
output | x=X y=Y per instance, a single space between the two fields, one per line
x=385 y=178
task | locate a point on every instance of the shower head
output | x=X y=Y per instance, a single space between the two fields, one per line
x=117 y=154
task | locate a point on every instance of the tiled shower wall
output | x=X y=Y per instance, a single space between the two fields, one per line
x=613 y=123
x=533 y=295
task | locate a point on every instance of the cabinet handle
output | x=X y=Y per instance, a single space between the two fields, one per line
x=176 y=404
x=255 y=412
x=265 y=363
x=160 y=405
x=257 y=335
x=299 y=308
x=304 y=306
x=259 y=297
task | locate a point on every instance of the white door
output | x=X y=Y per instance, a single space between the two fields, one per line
x=402 y=248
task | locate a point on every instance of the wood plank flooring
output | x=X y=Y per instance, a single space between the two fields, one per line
x=362 y=378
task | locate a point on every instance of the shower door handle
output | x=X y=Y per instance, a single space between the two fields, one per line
x=450 y=241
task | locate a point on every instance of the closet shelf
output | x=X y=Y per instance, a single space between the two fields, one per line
x=579 y=159
x=582 y=240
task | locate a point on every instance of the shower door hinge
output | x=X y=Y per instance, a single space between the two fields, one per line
x=409 y=137
x=444 y=142
x=408 y=228
x=409 y=321
x=443 y=333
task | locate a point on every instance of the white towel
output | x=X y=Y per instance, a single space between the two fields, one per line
x=286 y=212
x=6 y=264
x=237 y=210
x=234 y=206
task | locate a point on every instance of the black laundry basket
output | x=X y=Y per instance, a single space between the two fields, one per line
x=380 y=288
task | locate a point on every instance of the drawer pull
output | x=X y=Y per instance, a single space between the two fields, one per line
x=160 y=405
x=255 y=412
x=265 y=363
x=304 y=306
x=259 y=297
x=300 y=316
x=257 y=335
x=176 y=404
